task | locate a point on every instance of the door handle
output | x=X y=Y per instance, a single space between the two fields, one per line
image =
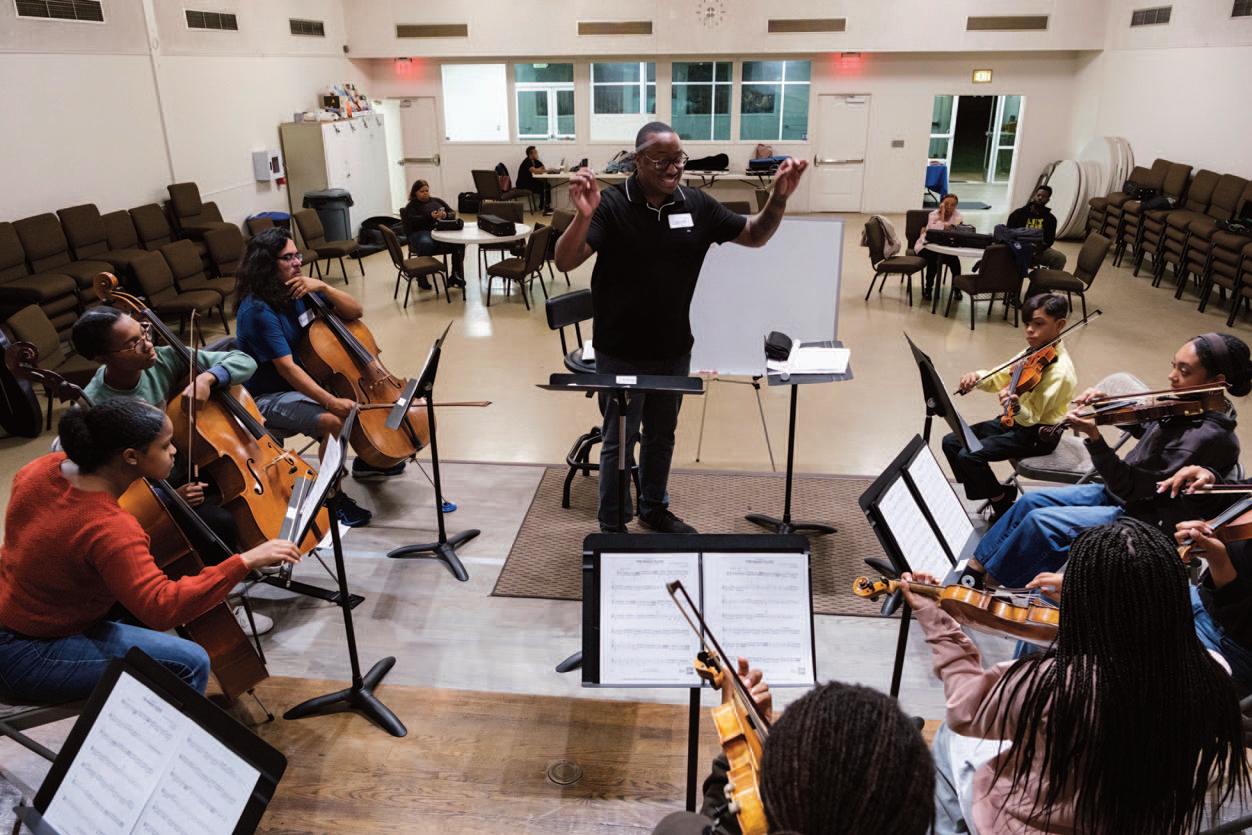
x=818 y=161
x=420 y=160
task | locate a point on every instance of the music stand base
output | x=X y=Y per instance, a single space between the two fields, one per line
x=781 y=526
x=444 y=551
x=358 y=698
x=328 y=595
x=570 y=664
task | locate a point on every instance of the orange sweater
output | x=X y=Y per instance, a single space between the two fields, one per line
x=70 y=555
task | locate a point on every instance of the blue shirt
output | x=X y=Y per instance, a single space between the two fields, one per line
x=267 y=334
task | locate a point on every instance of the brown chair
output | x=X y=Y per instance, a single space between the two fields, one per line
x=124 y=246
x=487 y=185
x=152 y=226
x=997 y=274
x=47 y=251
x=561 y=219
x=1223 y=268
x=1108 y=221
x=1241 y=296
x=89 y=238
x=189 y=275
x=225 y=249
x=314 y=236
x=1173 y=249
x=1135 y=223
x=1156 y=227
x=525 y=269
x=193 y=217
x=31 y=325
x=1090 y=258
x=506 y=210
x=155 y=279
x=914 y=222
x=55 y=293
x=902 y=265
x=415 y=268
x=1199 y=249
x=259 y=224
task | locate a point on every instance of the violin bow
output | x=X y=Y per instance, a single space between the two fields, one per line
x=1197 y=389
x=1080 y=323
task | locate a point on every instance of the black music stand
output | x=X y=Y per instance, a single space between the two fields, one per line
x=616 y=386
x=938 y=403
x=445 y=548
x=360 y=695
x=785 y=525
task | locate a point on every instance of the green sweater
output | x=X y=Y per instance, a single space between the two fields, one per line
x=169 y=376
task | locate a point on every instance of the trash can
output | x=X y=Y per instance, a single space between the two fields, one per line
x=331 y=206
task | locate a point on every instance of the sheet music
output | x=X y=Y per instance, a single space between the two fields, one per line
x=913 y=534
x=145 y=767
x=332 y=460
x=941 y=500
x=644 y=639
x=759 y=606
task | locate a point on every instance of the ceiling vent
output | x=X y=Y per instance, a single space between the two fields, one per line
x=1150 y=17
x=1007 y=23
x=432 y=30
x=312 y=28
x=824 y=24
x=615 y=27
x=81 y=10
x=219 y=21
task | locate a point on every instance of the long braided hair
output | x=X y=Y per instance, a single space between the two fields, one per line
x=1128 y=713
x=844 y=758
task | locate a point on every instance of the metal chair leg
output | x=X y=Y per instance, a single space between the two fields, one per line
x=343 y=269
x=396 y=293
x=871 y=285
x=221 y=312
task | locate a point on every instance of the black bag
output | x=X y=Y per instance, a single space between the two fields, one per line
x=717 y=162
x=777 y=346
x=1134 y=191
x=449 y=224
x=1158 y=203
x=1235 y=227
x=468 y=201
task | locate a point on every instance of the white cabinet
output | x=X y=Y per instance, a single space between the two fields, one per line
x=349 y=154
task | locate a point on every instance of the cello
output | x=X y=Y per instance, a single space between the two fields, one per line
x=167 y=519
x=226 y=438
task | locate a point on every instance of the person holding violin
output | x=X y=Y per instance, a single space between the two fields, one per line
x=270 y=321
x=71 y=554
x=1045 y=383
x=1034 y=535
x=1081 y=715
x=842 y=758
x=1222 y=600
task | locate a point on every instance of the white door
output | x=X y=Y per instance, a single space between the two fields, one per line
x=1002 y=142
x=839 y=167
x=420 y=129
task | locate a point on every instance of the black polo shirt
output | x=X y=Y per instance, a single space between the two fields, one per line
x=647 y=264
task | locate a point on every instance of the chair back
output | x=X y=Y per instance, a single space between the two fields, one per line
x=998 y=273
x=44 y=242
x=1091 y=257
x=12 y=256
x=31 y=324
x=1121 y=383
x=561 y=219
x=225 y=246
x=311 y=229
x=914 y=223
x=84 y=229
x=486 y=184
x=257 y=225
x=507 y=209
x=185 y=200
x=393 y=247
x=154 y=277
x=874 y=240
x=151 y=225
x=119 y=229
x=567 y=309
x=184 y=262
x=1174 y=184
x=537 y=247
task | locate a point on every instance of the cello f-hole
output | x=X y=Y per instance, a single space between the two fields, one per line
x=258 y=487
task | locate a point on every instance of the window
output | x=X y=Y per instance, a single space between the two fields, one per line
x=700 y=99
x=774 y=101
x=81 y=10
x=942 y=124
x=545 y=100
x=475 y=103
x=211 y=20
x=312 y=28
x=621 y=93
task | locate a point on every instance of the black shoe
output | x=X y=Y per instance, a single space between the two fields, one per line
x=1001 y=506
x=662 y=521
x=364 y=472
x=424 y=284
x=613 y=529
x=351 y=514
x=925 y=294
x=547 y=212
x=456 y=281
x=956 y=294
x=972 y=579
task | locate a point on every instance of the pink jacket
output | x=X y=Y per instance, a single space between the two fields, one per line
x=933 y=222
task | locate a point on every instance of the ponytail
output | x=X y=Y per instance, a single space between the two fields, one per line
x=94 y=437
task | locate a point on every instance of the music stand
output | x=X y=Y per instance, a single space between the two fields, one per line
x=938 y=403
x=444 y=548
x=359 y=696
x=616 y=386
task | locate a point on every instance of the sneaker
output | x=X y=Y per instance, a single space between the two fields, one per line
x=424 y=284
x=1001 y=507
x=351 y=514
x=613 y=529
x=662 y=521
x=263 y=623
x=456 y=281
x=971 y=579
x=364 y=472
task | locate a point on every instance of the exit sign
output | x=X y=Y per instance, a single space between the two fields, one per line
x=982 y=76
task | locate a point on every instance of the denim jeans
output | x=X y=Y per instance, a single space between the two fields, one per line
x=1211 y=635
x=657 y=416
x=63 y=669
x=422 y=243
x=1036 y=532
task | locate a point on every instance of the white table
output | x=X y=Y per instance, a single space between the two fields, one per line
x=958 y=251
x=472 y=235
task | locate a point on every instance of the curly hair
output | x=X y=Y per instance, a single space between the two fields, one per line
x=258 y=273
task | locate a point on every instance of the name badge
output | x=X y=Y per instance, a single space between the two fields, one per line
x=681 y=221
x=306 y=317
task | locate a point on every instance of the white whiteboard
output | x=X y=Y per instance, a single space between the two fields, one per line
x=790 y=285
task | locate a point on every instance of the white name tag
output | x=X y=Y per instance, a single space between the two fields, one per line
x=627 y=380
x=681 y=221
x=306 y=317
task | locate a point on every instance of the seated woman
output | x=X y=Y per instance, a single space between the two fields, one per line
x=419 y=217
x=1085 y=717
x=842 y=758
x=1034 y=535
x=944 y=217
x=71 y=553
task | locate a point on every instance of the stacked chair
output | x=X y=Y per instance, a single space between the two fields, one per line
x=47 y=250
x=1199 y=249
x=193 y=217
x=55 y=293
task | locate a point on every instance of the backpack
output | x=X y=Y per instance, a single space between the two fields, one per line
x=622 y=163
x=467 y=202
x=502 y=175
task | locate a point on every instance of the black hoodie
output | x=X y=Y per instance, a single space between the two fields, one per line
x=1034 y=216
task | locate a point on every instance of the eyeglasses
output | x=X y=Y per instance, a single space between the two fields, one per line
x=291 y=256
x=133 y=344
x=679 y=161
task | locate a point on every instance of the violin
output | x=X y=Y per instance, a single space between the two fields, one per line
x=1141 y=407
x=343 y=357
x=227 y=439
x=741 y=726
x=1027 y=375
x=1023 y=615
x=1234 y=524
x=1030 y=359
x=167 y=518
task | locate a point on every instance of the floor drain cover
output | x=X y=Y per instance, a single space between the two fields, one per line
x=565 y=773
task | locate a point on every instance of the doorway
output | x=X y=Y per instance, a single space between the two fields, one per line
x=976 y=137
x=414 y=146
x=842 y=134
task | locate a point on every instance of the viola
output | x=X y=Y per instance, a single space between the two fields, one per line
x=1027 y=375
x=1141 y=407
x=343 y=358
x=742 y=728
x=226 y=438
x=166 y=518
x=1021 y=614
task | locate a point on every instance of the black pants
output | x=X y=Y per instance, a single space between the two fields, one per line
x=933 y=260
x=543 y=190
x=422 y=243
x=973 y=469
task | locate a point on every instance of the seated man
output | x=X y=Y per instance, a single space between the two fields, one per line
x=526 y=172
x=1036 y=215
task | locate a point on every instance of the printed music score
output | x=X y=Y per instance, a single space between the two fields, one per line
x=916 y=539
x=144 y=767
x=758 y=605
x=945 y=507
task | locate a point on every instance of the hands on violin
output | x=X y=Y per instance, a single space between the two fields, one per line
x=1187 y=480
x=968 y=382
x=270 y=553
x=754 y=681
x=1082 y=424
x=192 y=493
x=917 y=601
x=1048 y=582
x=202 y=387
x=1008 y=400
x=1199 y=535
x=1088 y=396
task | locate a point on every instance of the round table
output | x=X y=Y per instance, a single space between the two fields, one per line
x=957 y=251
x=471 y=234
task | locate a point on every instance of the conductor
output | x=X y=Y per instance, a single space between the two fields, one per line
x=652 y=234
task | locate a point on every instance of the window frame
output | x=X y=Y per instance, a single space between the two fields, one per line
x=782 y=84
x=714 y=84
x=553 y=90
